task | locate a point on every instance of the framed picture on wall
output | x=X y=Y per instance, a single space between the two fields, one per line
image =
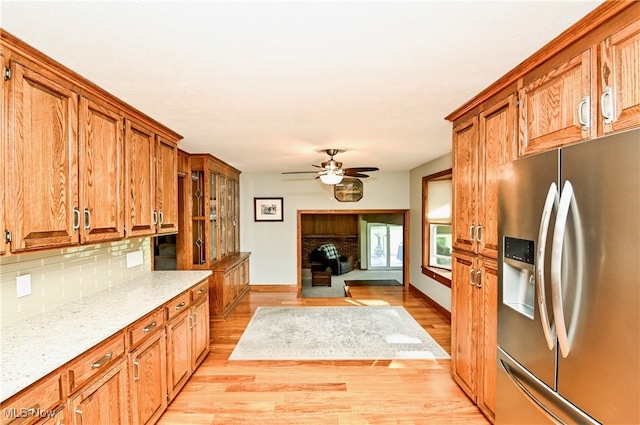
x=349 y=190
x=268 y=209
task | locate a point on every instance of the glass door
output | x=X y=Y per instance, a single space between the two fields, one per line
x=213 y=217
x=385 y=246
x=197 y=217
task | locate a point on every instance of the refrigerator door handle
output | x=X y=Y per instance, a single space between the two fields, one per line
x=549 y=204
x=556 y=267
x=522 y=387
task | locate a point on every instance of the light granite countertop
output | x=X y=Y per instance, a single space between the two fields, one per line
x=33 y=347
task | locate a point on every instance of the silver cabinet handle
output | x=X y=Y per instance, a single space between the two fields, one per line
x=549 y=204
x=195 y=319
x=472 y=232
x=585 y=120
x=102 y=361
x=154 y=218
x=472 y=274
x=606 y=105
x=556 y=267
x=190 y=322
x=179 y=306
x=87 y=219
x=479 y=233
x=201 y=290
x=79 y=412
x=136 y=375
x=479 y=278
x=161 y=220
x=149 y=326
x=76 y=219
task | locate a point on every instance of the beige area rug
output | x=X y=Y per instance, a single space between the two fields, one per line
x=335 y=333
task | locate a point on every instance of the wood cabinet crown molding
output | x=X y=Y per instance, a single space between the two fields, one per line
x=13 y=46
x=598 y=17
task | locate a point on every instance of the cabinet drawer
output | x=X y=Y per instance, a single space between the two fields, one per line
x=200 y=290
x=178 y=305
x=146 y=327
x=28 y=406
x=95 y=361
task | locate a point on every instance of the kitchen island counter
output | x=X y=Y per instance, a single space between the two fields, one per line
x=36 y=346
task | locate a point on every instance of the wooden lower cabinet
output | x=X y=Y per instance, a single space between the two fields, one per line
x=229 y=283
x=474 y=311
x=200 y=332
x=148 y=380
x=105 y=401
x=178 y=353
x=109 y=384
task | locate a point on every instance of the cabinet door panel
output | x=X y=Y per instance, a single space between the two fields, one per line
x=497 y=146
x=465 y=176
x=463 y=324
x=42 y=162
x=549 y=114
x=621 y=74
x=488 y=339
x=148 y=381
x=104 y=402
x=100 y=171
x=3 y=166
x=178 y=353
x=200 y=332
x=139 y=180
x=167 y=187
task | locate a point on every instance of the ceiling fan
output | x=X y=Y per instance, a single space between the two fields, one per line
x=331 y=171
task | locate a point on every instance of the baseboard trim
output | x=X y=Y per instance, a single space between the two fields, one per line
x=443 y=311
x=274 y=288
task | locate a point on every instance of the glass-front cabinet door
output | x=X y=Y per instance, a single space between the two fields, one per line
x=236 y=219
x=213 y=217
x=197 y=218
x=222 y=219
x=231 y=215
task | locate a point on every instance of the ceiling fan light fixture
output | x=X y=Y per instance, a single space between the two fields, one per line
x=330 y=178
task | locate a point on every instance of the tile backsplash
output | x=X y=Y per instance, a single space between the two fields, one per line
x=64 y=275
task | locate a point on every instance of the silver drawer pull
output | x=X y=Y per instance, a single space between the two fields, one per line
x=150 y=326
x=179 y=306
x=102 y=361
x=201 y=291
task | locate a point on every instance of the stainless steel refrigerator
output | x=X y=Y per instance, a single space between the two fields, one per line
x=569 y=285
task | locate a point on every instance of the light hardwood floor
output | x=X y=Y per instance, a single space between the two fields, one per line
x=223 y=392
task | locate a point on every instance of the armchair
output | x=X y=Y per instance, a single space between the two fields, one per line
x=328 y=256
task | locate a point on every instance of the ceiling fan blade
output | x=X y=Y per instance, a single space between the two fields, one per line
x=318 y=166
x=299 y=172
x=354 y=174
x=361 y=169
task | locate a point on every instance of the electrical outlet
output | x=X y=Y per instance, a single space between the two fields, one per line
x=23 y=285
x=134 y=259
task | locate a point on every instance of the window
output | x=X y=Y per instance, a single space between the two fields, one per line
x=436 y=226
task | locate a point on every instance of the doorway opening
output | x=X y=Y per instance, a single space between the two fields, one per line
x=374 y=241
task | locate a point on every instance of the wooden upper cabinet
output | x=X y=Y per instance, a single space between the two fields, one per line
x=101 y=173
x=42 y=155
x=620 y=80
x=167 y=186
x=498 y=142
x=465 y=184
x=140 y=217
x=3 y=166
x=558 y=108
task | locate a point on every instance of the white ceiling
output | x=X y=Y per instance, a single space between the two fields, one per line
x=264 y=85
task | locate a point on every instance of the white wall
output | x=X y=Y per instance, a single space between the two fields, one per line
x=432 y=288
x=273 y=245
